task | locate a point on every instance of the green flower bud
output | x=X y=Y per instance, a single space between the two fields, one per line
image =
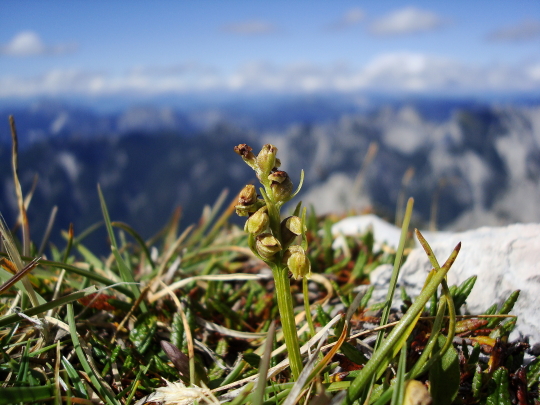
x=281 y=185
x=248 y=195
x=297 y=261
x=258 y=222
x=266 y=159
x=247 y=155
x=291 y=227
x=267 y=245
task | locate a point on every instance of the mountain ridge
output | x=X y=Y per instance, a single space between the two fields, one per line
x=480 y=162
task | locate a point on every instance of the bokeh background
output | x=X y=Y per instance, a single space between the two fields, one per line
x=376 y=101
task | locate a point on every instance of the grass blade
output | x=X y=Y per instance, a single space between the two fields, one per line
x=31 y=395
x=258 y=395
x=125 y=271
x=106 y=217
x=399 y=387
x=6 y=320
x=74 y=376
x=380 y=355
x=104 y=391
x=127 y=277
x=138 y=238
x=18 y=276
x=395 y=271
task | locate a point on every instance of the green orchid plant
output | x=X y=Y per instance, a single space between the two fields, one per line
x=281 y=244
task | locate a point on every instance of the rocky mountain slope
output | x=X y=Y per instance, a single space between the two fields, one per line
x=481 y=164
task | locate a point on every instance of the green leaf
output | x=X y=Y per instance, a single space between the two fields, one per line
x=444 y=375
x=492 y=310
x=264 y=363
x=103 y=390
x=533 y=372
x=399 y=386
x=499 y=393
x=139 y=240
x=9 y=319
x=23 y=365
x=106 y=217
x=353 y=354
x=358 y=269
x=88 y=256
x=31 y=395
x=89 y=274
x=74 y=377
x=477 y=382
x=463 y=291
x=504 y=330
x=252 y=359
x=127 y=276
x=366 y=297
x=177 y=331
x=143 y=332
x=505 y=309
x=165 y=370
x=475 y=354
x=394 y=338
x=322 y=316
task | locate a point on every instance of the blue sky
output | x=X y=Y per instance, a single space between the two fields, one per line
x=95 y=48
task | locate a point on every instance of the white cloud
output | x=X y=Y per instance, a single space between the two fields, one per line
x=526 y=30
x=352 y=17
x=390 y=72
x=250 y=27
x=28 y=43
x=408 y=20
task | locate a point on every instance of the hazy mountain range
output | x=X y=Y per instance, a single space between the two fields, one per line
x=478 y=161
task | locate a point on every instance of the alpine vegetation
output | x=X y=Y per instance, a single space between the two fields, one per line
x=275 y=313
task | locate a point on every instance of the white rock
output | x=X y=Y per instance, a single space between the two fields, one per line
x=505 y=259
x=383 y=232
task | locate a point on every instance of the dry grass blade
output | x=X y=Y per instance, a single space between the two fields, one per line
x=189 y=336
x=229 y=332
x=216 y=277
x=16 y=260
x=170 y=252
x=285 y=363
x=135 y=305
x=258 y=395
x=298 y=389
x=313 y=369
x=18 y=188
x=19 y=275
x=48 y=230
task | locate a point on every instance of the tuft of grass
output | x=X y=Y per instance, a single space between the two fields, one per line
x=189 y=316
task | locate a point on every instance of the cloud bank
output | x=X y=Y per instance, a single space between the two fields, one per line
x=28 y=43
x=526 y=30
x=250 y=27
x=408 y=20
x=350 y=18
x=390 y=72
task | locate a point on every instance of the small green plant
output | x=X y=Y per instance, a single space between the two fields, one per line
x=272 y=239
